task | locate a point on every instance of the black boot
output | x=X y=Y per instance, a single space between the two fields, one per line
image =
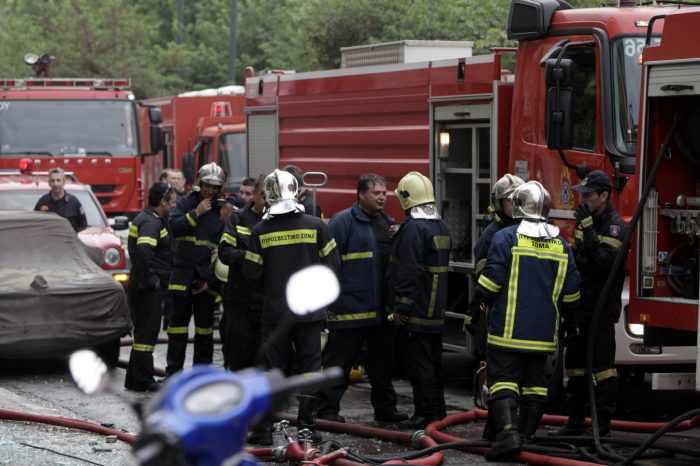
x=306 y=416
x=528 y=420
x=490 y=431
x=507 y=442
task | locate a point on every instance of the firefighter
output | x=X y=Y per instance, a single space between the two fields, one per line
x=197 y=227
x=502 y=212
x=286 y=241
x=240 y=324
x=60 y=202
x=417 y=295
x=304 y=197
x=530 y=276
x=151 y=257
x=363 y=236
x=599 y=234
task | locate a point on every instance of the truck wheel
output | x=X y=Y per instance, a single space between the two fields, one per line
x=109 y=351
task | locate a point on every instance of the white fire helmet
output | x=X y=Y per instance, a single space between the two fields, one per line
x=413 y=190
x=211 y=174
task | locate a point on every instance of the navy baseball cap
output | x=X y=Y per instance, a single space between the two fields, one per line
x=596 y=180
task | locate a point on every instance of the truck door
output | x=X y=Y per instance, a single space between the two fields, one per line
x=462 y=168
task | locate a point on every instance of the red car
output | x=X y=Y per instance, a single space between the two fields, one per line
x=21 y=191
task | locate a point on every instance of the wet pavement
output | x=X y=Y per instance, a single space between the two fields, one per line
x=44 y=387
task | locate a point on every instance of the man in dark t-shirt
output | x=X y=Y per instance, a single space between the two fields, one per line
x=59 y=201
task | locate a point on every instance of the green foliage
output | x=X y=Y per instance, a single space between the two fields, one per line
x=143 y=40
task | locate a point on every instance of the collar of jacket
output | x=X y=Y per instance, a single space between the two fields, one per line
x=605 y=214
x=362 y=216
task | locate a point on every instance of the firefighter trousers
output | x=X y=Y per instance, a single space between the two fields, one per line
x=421 y=354
x=603 y=371
x=517 y=375
x=182 y=307
x=145 y=307
x=240 y=329
x=294 y=349
x=343 y=349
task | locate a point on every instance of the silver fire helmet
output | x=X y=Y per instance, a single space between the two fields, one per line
x=531 y=201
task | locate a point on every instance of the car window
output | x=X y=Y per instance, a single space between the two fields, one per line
x=27 y=199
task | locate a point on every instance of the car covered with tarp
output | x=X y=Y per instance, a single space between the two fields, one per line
x=53 y=297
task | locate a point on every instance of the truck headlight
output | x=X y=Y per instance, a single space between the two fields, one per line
x=636 y=330
x=112 y=256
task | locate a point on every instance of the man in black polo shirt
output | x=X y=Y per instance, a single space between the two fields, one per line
x=62 y=203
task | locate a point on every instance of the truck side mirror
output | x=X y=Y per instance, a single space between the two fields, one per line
x=560 y=103
x=121 y=222
x=156 y=118
x=188 y=167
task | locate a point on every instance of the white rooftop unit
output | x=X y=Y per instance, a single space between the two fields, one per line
x=404 y=51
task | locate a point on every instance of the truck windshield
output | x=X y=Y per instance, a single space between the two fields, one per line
x=233 y=158
x=68 y=127
x=627 y=80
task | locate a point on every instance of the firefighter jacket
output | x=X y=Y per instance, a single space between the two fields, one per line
x=531 y=280
x=417 y=274
x=306 y=198
x=68 y=207
x=195 y=237
x=280 y=246
x=232 y=249
x=359 y=304
x=149 y=249
x=595 y=249
x=482 y=245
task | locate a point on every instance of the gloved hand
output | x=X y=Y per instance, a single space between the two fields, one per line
x=583 y=216
x=473 y=317
x=398 y=319
x=571 y=331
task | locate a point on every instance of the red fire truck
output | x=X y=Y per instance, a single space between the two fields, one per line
x=464 y=123
x=201 y=127
x=91 y=127
x=665 y=252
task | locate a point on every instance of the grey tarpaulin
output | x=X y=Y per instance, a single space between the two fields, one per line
x=53 y=298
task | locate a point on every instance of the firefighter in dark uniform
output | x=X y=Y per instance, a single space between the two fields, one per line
x=531 y=277
x=417 y=295
x=242 y=302
x=286 y=241
x=305 y=197
x=599 y=234
x=62 y=203
x=197 y=227
x=501 y=209
x=363 y=236
x=151 y=263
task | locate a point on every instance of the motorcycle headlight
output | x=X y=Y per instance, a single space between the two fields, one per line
x=112 y=256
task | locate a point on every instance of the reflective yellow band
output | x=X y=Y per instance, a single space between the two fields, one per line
x=586 y=222
x=330 y=246
x=146 y=240
x=203 y=331
x=480 y=266
x=357 y=255
x=163 y=232
x=229 y=239
x=433 y=296
x=490 y=285
x=281 y=238
x=243 y=230
x=610 y=241
x=133 y=231
x=253 y=257
x=572 y=298
x=576 y=372
x=599 y=376
x=403 y=300
x=217 y=296
x=579 y=234
x=190 y=219
x=142 y=347
x=436 y=268
x=358 y=316
x=426 y=322
x=442 y=242
x=521 y=344
x=498 y=386
x=538 y=391
x=176 y=287
x=197 y=242
x=177 y=330
x=551 y=245
x=539 y=253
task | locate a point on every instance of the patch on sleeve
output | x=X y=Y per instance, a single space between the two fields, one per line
x=615 y=231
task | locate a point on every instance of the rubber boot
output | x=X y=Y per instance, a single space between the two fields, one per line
x=490 y=431
x=507 y=442
x=306 y=416
x=528 y=420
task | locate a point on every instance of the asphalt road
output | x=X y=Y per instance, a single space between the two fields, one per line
x=44 y=387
